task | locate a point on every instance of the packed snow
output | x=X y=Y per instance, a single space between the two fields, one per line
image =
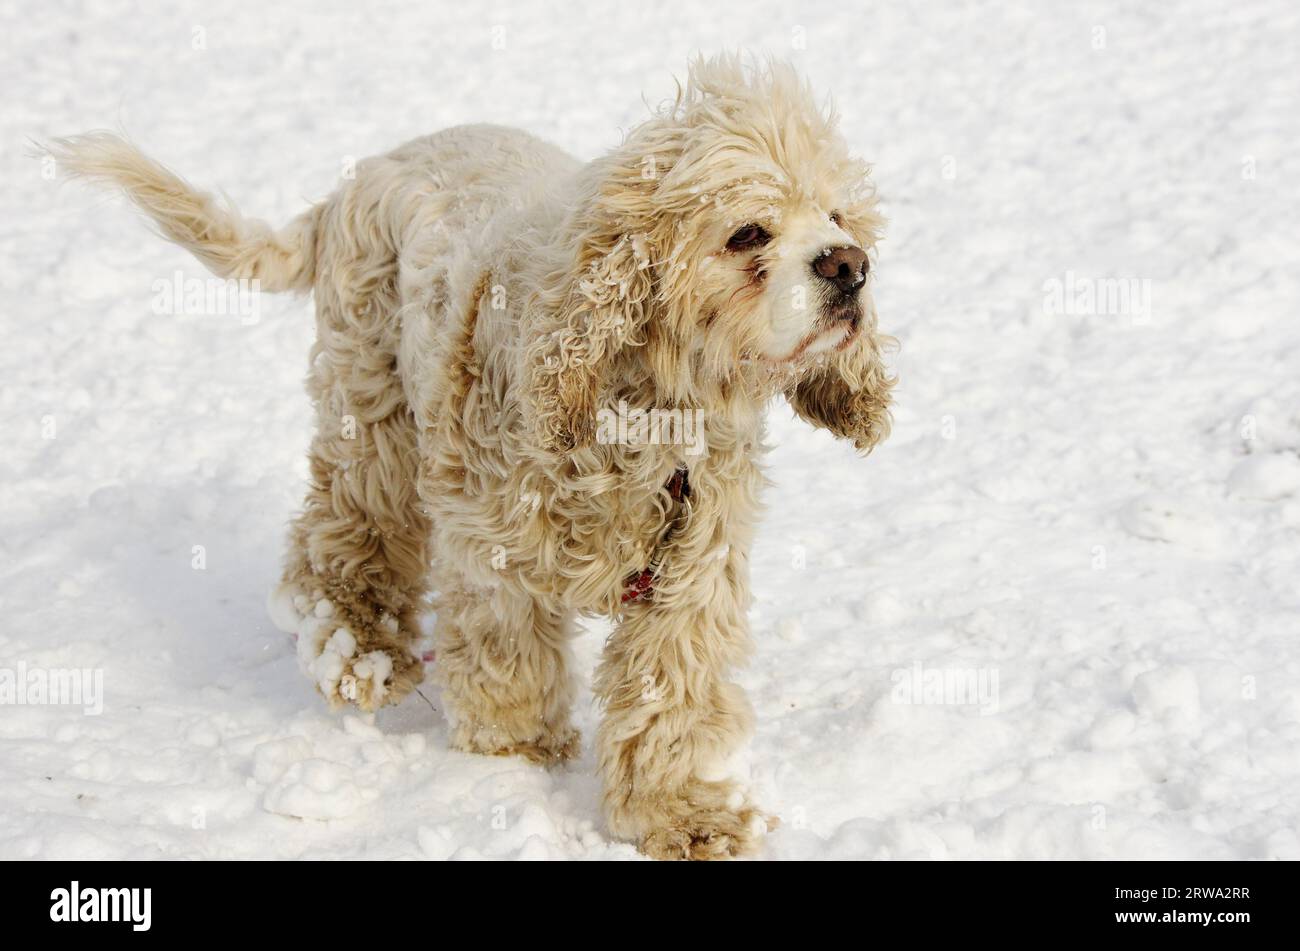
x=1054 y=615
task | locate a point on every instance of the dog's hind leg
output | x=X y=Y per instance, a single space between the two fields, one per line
x=356 y=577
x=357 y=571
x=503 y=663
x=357 y=574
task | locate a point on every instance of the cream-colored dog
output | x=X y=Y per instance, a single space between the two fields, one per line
x=540 y=388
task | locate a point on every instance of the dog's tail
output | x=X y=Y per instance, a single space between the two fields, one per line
x=230 y=245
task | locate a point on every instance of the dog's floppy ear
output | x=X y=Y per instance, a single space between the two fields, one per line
x=600 y=294
x=850 y=394
x=604 y=307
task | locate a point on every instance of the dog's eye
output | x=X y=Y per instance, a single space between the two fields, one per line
x=837 y=219
x=748 y=237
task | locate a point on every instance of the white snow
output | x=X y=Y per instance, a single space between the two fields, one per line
x=1089 y=499
x=1268 y=477
x=315 y=789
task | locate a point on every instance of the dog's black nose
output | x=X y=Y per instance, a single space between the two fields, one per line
x=844 y=267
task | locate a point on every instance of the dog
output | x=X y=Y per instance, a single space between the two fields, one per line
x=484 y=303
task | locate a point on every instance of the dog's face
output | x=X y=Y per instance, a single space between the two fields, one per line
x=732 y=230
x=791 y=280
x=762 y=225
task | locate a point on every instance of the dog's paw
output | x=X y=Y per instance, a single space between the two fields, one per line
x=367 y=680
x=330 y=656
x=547 y=746
x=708 y=821
x=709 y=835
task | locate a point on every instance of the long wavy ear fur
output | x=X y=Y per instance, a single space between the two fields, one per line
x=602 y=288
x=850 y=395
x=606 y=307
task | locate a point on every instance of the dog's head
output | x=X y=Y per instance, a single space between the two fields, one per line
x=731 y=231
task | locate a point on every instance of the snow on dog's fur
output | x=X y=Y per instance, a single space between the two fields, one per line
x=481 y=297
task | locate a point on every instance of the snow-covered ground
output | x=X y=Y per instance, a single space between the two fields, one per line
x=1090 y=505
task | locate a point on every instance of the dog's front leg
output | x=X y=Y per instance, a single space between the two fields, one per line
x=672 y=719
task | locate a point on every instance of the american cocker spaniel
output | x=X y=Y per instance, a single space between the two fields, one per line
x=540 y=387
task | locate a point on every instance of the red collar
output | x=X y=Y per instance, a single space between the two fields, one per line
x=640 y=586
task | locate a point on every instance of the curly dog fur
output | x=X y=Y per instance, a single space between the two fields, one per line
x=480 y=298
